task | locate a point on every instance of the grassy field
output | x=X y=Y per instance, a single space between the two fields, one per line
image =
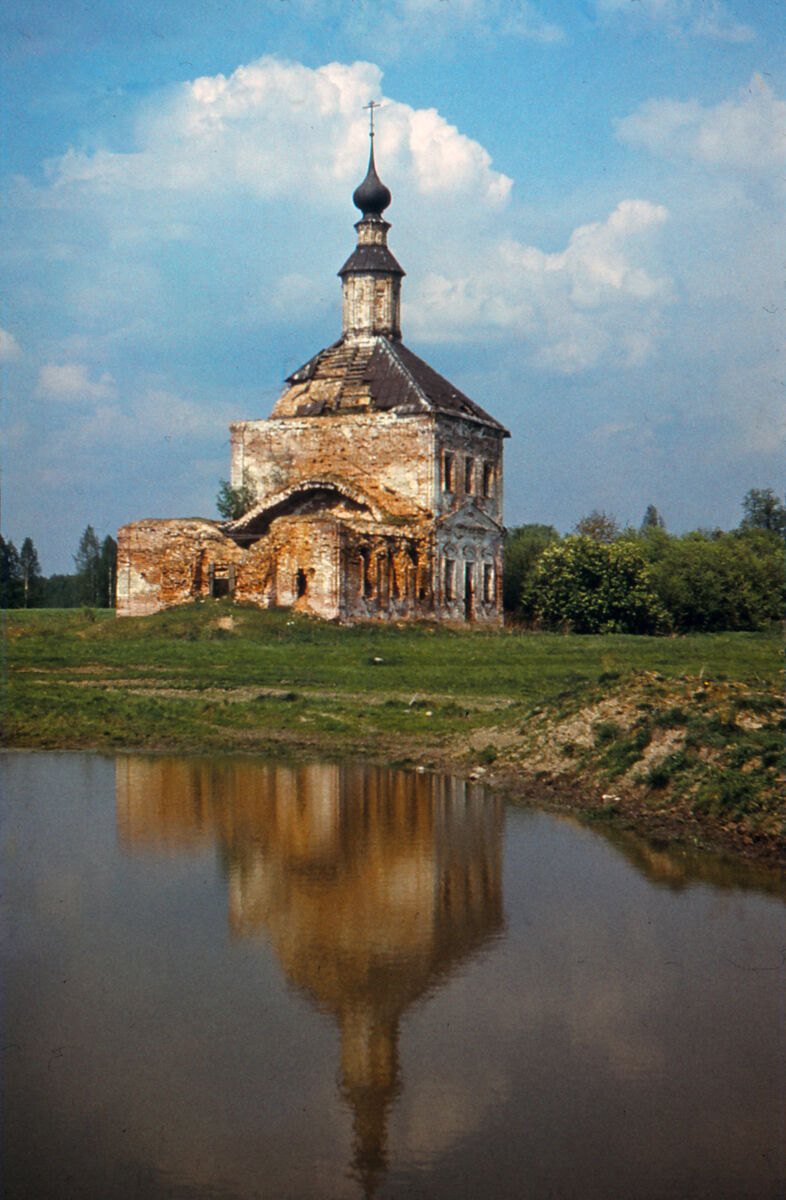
x=680 y=735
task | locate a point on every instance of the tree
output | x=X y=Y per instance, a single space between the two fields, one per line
x=60 y=591
x=595 y=587
x=600 y=526
x=87 y=561
x=764 y=510
x=234 y=502
x=107 y=572
x=652 y=519
x=29 y=570
x=523 y=547
x=10 y=575
x=718 y=581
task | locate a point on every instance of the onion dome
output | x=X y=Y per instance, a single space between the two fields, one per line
x=371 y=196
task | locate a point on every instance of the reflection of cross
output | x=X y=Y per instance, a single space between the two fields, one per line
x=372 y=104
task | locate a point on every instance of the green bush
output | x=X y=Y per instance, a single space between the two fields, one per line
x=709 y=582
x=594 y=587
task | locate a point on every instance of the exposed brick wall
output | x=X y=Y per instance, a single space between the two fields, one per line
x=371 y=305
x=390 y=457
x=161 y=563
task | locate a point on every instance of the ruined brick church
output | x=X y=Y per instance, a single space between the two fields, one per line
x=377 y=484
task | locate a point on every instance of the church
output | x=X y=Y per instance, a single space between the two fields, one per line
x=375 y=485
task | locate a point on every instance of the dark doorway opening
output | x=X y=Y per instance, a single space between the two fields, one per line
x=301 y=583
x=468 y=591
x=220 y=581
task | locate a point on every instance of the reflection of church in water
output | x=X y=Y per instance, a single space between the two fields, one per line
x=370 y=884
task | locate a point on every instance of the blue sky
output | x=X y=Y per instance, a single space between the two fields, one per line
x=588 y=200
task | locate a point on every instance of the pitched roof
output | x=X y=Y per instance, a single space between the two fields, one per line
x=373 y=258
x=377 y=375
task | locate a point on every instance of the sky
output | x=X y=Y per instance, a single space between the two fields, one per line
x=588 y=201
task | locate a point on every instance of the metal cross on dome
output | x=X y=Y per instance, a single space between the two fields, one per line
x=372 y=104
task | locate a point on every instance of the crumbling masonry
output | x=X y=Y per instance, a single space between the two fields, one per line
x=378 y=484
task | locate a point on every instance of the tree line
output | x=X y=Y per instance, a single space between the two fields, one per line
x=603 y=578
x=93 y=582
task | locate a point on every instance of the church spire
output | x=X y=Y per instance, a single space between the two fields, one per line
x=371 y=196
x=371 y=277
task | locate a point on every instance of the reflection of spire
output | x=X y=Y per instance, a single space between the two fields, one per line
x=370 y=1084
x=370 y=884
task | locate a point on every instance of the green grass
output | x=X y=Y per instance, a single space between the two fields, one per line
x=277 y=648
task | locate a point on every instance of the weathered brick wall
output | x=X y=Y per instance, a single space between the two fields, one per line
x=161 y=563
x=390 y=457
x=371 y=304
x=305 y=556
x=463 y=440
x=468 y=574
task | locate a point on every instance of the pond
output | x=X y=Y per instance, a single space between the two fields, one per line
x=231 y=978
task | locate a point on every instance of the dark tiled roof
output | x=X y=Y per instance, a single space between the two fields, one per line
x=376 y=374
x=374 y=257
x=442 y=394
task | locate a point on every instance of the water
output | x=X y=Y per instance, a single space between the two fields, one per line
x=235 y=979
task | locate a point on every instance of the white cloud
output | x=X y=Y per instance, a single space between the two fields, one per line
x=154 y=415
x=294 y=293
x=70 y=381
x=695 y=18
x=595 y=300
x=10 y=350
x=223 y=211
x=747 y=133
x=275 y=130
x=612 y=432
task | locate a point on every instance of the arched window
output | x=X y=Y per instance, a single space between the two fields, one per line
x=448 y=473
x=469 y=476
x=449 y=579
x=366 y=578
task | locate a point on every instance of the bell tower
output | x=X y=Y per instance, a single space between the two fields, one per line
x=371 y=277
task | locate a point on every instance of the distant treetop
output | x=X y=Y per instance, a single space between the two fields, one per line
x=763 y=510
x=598 y=525
x=652 y=519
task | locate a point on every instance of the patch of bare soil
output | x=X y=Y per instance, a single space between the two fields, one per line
x=557 y=760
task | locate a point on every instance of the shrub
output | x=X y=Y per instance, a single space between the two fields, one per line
x=487 y=755
x=594 y=587
x=718 y=581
